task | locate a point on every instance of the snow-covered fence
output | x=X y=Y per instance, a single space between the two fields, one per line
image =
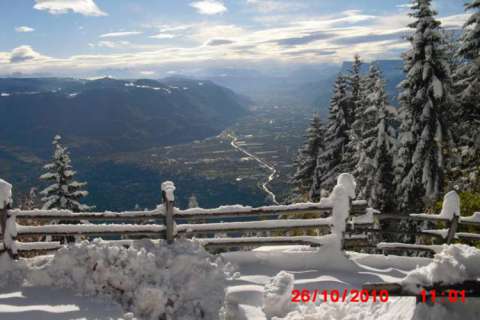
x=7 y=222
x=449 y=215
x=168 y=222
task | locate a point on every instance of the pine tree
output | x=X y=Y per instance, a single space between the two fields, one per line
x=355 y=119
x=64 y=193
x=424 y=134
x=330 y=162
x=468 y=120
x=306 y=160
x=374 y=172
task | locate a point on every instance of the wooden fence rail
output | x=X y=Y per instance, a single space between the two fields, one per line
x=168 y=222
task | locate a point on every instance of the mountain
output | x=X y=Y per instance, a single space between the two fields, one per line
x=275 y=86
x=306 y=87
x=108 y=115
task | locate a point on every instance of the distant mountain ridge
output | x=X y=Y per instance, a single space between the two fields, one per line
x=110 y=115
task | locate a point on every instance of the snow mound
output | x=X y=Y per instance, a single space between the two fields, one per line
x=169 y=188
x=152 y=280
x=451 y=205
x=348 y=182
x=454 y=264
x=11 y=271
x=277 y=294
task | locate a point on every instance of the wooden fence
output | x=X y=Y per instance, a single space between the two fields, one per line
x=168 y=222
x=449 y=217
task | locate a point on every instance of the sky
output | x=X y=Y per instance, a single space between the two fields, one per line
x=155 y=38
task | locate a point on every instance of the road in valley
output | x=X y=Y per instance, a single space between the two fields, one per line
x=262 y=163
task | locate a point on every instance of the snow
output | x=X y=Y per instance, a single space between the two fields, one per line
x=169 y=188
x=438 y=232
x=28 y=246
x=277 y=293
x=475 y=218
x=453 y=265
x=233 y=209
x=44 y=303
x=450 y=206
x=5 y=193
x=151 y=280
x=340 y=197
x=368 y=218
x=347 y=181
x=307 y=239
x=322 y=268
x=91 y=228
x=158 y=212
x=255 y=224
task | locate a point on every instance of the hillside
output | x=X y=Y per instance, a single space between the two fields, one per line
x=108 y=115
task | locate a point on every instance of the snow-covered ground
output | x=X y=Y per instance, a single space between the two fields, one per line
x=104 y=281
x=324 y=269
x=47 y=303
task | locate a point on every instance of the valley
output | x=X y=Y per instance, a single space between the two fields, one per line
x=254 y=172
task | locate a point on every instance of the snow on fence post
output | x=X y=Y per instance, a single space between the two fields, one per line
x=7 y=220
x=168 y=196
x=451 y=210
x=341 y=198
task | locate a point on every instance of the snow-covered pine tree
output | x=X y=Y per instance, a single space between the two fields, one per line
x=64 y=192
x=357 y=104
x=423 y=99
x=306 y=160
x=330 y=162
x=468 y=82
x=374 y=172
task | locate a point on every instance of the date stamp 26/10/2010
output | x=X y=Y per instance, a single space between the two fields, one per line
x=364 y=296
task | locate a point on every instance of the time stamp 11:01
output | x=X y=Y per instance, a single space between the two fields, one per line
x=364 y=296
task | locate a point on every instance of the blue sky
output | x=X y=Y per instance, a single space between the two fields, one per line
x=153 y=38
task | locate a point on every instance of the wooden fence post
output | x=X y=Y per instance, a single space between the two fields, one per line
x=168 y=196
x=452 y=229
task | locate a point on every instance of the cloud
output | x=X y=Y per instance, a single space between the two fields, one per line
x=316 y=52
x=455 y=21
x=370 y=38
x=405 y=5
x=120 y=34
x=22 y=54
x=147 y=72
x=218 y=42
x=306 y=39
x=209 y=7
x=24 y=29
x=110 y=44
x=163 y=36
x=84 y=7
x=314 y=36
x=268 y=6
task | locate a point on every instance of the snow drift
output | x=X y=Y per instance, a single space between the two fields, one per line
x=454 y=264
x=152 y=280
